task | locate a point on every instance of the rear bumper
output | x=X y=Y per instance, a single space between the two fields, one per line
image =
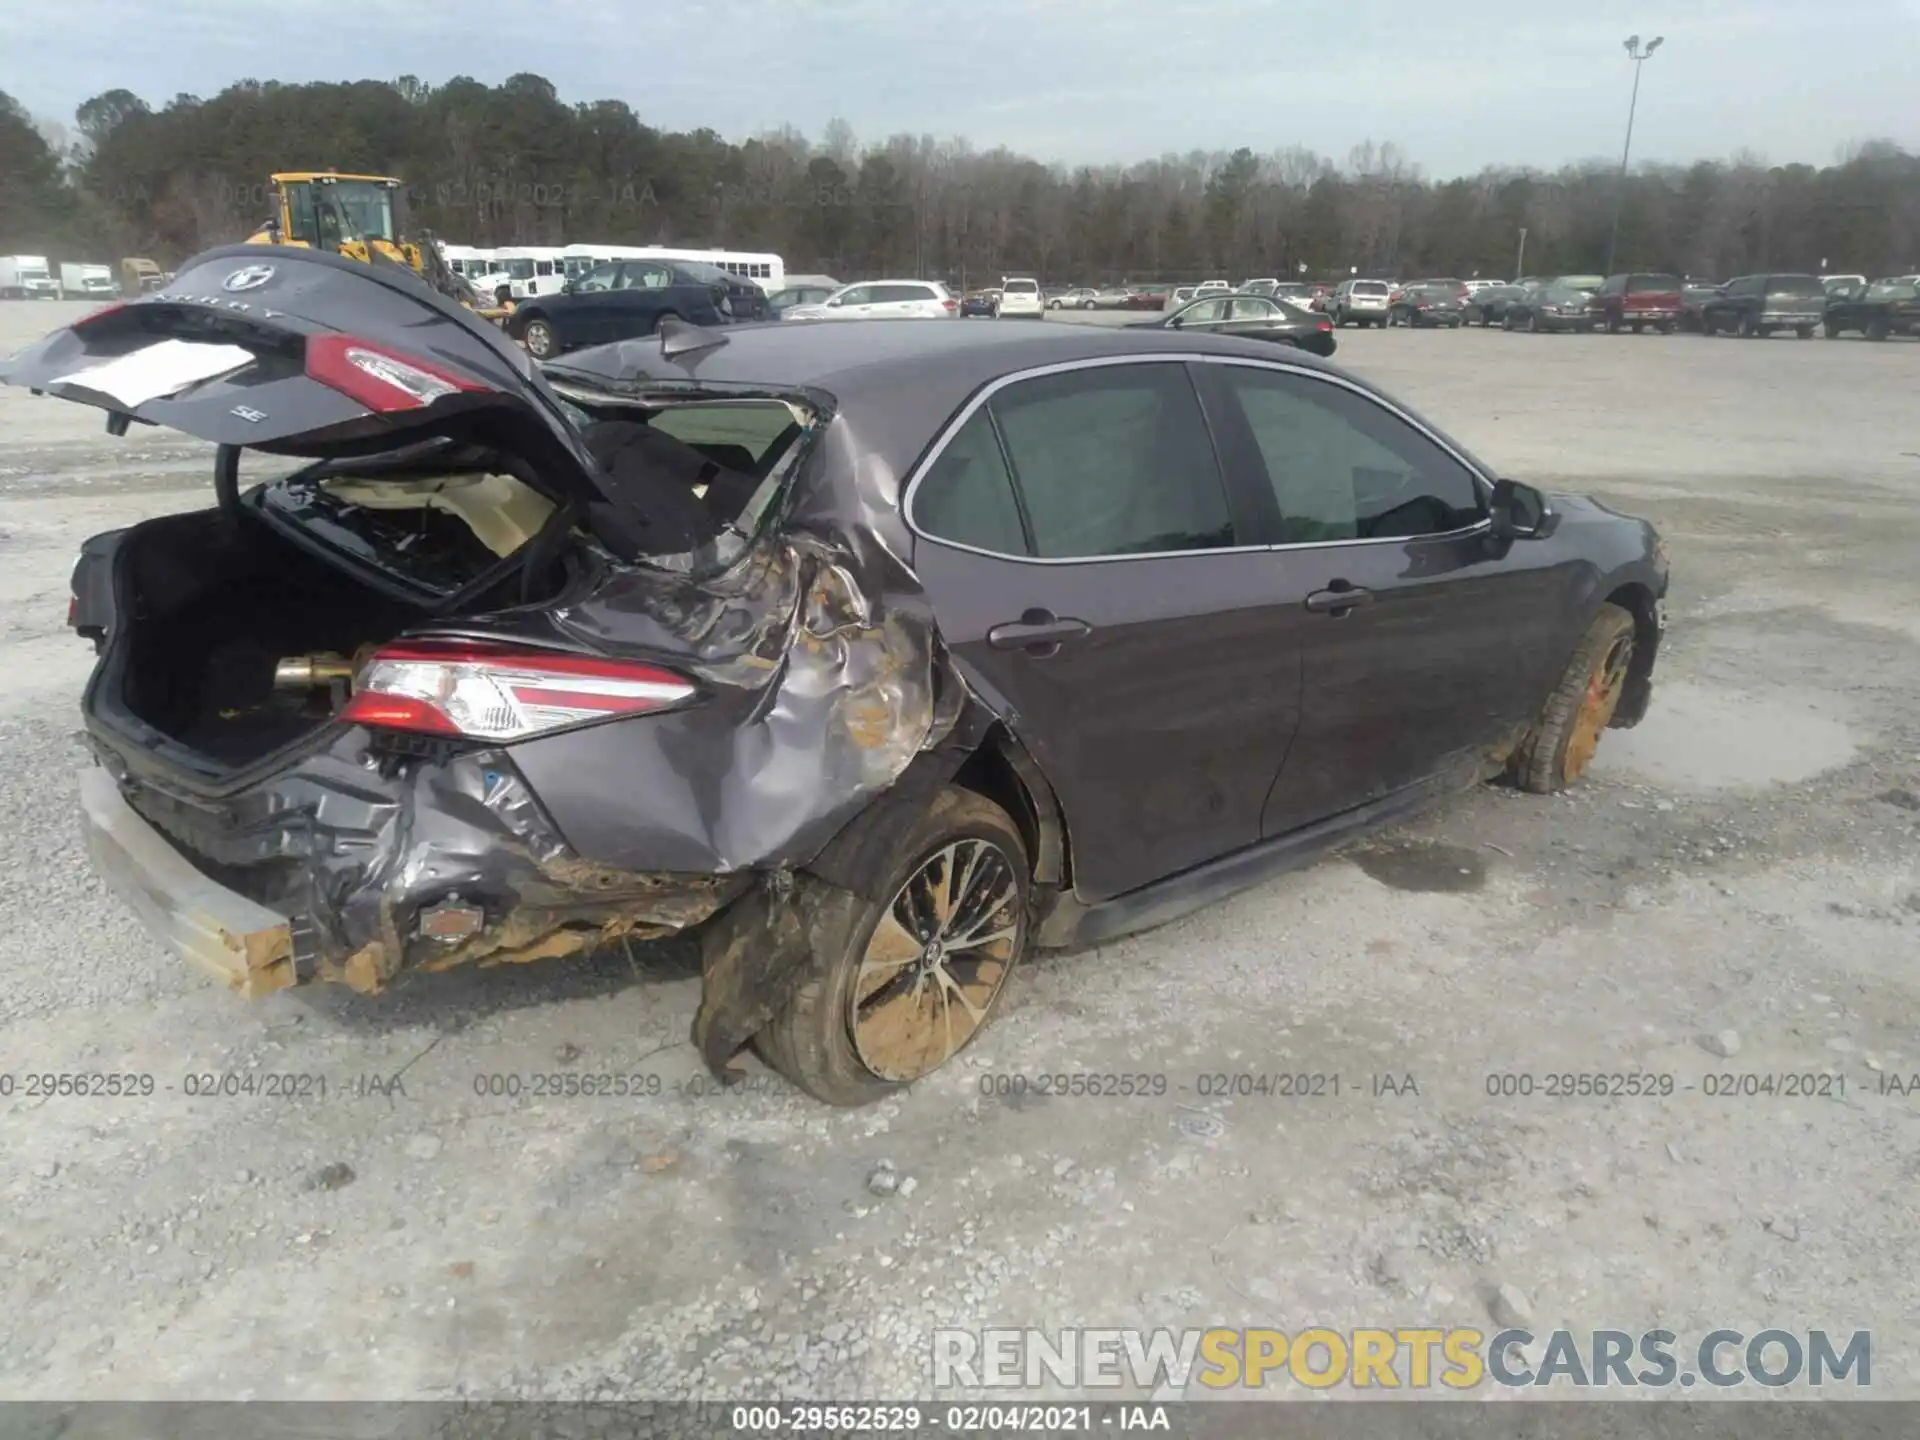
x=353 y=867
x=217 y=930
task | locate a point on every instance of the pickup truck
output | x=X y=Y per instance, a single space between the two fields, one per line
x=1635 y=301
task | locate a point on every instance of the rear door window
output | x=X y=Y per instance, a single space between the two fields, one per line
x=1251 y=307
x=967 y=495
x=1114 y=460
x=1345 y=468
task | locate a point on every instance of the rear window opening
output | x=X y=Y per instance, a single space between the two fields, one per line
x=1652 y=282
x=1370 y=287
x=1796 y=285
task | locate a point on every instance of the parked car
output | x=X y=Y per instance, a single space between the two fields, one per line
x=629 y=298
x=1474 y=287
x=1877 y=310
x=1250 y=317
x=1694 y=295
x=1635 y=301
x=789 y=680
x=1079 y=299
x=1295 y=293
x=1555 y=306
x=1830 y=281
x=1755 y=306
x=1209 y=287
x=1020 y=297
x=979 y=302
x=883 y=300
x=1488 y=305
x=1436 y=305
x=1181 y=295
x=788 y=297
x=1147 y=298
x=1112 y=297
x=1259 y=287
x=1457 y=288
x=1359 y=302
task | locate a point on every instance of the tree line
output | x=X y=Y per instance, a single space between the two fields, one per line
x=513 y=164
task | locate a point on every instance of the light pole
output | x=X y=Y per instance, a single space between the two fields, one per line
x=1639 y=58
x=1520 y=262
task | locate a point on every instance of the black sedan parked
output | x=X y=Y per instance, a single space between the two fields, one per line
x=1438 y=306
x=628 y=298
x=1876 y=310
x=1550 y=306
x=877 y=655
x=1250 y=317
x=1489 y=306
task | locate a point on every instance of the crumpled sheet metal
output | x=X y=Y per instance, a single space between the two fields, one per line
x=367 y=847
x=822 y=650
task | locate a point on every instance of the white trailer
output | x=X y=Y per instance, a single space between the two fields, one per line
x=26 y=277
x=85 y=282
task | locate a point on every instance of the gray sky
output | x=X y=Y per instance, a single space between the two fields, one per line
x=1456 y=87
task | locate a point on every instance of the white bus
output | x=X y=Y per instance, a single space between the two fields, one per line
x=527 y=271
x=467 y=261
x=767 y=271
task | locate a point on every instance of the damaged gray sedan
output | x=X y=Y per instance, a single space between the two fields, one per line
x=874 y=654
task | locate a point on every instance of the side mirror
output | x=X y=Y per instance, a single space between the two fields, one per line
x=1176 y=321
x=836 y=301
x=1520 y=512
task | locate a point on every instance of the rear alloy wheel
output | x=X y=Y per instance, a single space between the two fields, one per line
x=896 y=990
x=542 y=343
x=1558 y=749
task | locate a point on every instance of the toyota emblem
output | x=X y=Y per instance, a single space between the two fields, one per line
x=248 y=277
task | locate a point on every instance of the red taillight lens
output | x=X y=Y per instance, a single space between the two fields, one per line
x=1324 y=325
x=101 y=314
x=383 y=380
x=487 y=690
x=73 y=610
x=949 y=304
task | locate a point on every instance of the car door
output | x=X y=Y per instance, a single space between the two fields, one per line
x=1083 y=556
x=856 y=303
x=1203 y=315
x=1254 y=317
x=1426 y=647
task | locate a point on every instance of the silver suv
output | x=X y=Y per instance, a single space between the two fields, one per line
x=1361 y=302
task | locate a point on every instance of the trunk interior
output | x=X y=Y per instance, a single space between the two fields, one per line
x=218 y=601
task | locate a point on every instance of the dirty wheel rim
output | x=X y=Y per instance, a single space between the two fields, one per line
x=1604 y=686
x=936 y=960
x=539 y=339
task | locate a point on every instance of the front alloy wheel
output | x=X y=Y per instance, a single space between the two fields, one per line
x=542 y=343
x=1556 y=752
x=896 y=990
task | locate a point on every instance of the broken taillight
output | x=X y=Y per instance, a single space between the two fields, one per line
x=382 y=380
x=487 y=690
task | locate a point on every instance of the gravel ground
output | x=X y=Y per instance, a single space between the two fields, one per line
x=1739 y=875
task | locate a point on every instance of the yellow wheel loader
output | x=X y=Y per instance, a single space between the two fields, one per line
x=353 y=215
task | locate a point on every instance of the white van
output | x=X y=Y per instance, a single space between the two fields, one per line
x=529 y=270
x=1020 y=295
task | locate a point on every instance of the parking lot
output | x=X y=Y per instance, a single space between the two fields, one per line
x=1734 y=891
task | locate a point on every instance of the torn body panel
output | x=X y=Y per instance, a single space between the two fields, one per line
x=348 y=854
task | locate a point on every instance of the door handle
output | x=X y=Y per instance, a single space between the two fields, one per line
x=1039 y=632
x=1338 y=600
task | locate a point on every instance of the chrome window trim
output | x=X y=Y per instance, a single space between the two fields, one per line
x=987 y=392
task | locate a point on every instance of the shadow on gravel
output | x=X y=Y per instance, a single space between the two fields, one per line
x=456 y=999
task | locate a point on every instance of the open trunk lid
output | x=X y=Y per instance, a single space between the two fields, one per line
x=298 y=352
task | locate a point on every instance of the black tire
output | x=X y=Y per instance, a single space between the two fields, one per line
x=1533 y=322
x=1750 y=328
x=541 y=339
x=1638 y=327
x=1805 y=332
x=1877 y=328
x=1708 y=324
x=812 y=1041
x=1833 y=330
x=1613 y=325
x=1556 y=752
x=1506 y=321
x=1664 y=327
